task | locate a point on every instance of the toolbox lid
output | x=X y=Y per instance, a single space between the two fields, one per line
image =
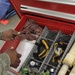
x=56 y=9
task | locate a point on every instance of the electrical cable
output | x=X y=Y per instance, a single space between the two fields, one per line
x=57 y=51
x=45 y=51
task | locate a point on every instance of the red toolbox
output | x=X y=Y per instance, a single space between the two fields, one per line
x=56 y=16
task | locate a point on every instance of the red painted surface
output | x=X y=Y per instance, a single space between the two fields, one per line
x=50 y=24
x=54 y=23
x=50 y=6
x=14 y=43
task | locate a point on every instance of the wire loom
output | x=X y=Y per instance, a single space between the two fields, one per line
x=43 y=48
x=59 y=48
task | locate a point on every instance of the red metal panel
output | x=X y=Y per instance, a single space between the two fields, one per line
x=14 y=43
x=50 y=6
x=51 y=24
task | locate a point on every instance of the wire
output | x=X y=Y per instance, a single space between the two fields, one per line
x=45 y=51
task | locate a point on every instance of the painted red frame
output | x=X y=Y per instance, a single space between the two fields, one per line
x=53 y=23
x=66 y=8
x=50 y=24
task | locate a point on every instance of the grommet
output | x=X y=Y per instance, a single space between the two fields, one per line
x=52 y=71
x=32 y=63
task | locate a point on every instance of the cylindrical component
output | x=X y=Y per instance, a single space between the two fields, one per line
x=32 y=63
x=72 y=50
x=72 y=71
x=69 y=59
x=63 y=70
x=74 y=63
x=51 y=71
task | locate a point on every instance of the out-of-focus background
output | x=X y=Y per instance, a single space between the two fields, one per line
x=8 y=17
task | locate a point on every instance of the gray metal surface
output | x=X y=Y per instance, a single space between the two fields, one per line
x=50 y=54
x=45 y=63
x=72 y=40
